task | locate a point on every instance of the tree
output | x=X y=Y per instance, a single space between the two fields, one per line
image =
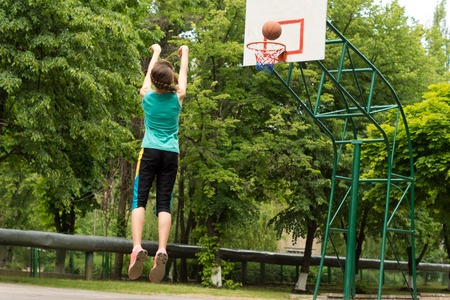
x=367 y=26
x=68 y=78
x=429 y=129
x=19 y=204
x=209 y=134
x=396 y=48
x=438 y=42
x=383 y=35
x=304 y=171
x=373 y=30
x=68 y=88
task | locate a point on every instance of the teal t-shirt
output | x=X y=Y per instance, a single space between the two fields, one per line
x=161 y=115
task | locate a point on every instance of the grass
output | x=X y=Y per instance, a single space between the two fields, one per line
x=147 y=288
x=247 y=292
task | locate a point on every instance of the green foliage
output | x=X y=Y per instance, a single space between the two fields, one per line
x=19 y=203
x=210 y=123
x=69 y=71
x=379 y=33
x=227 y=268
x=255 y=234
x=209 y=262
x=438 y=43
x=207 y=259
x=428 y=126
x=430 y=135
x=394 y=45
x=271 y=275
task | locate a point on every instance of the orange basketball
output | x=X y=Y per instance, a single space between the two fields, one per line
x=271 y=30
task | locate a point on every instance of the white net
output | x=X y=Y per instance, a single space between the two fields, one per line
x=266 y=54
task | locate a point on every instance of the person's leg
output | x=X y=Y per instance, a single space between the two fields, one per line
x=164 y=222
x=137 y=225
x=165 y=181
x=138 y=254
x=145 y=174
x=159 y=265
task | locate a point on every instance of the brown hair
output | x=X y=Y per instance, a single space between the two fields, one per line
x=163 y=76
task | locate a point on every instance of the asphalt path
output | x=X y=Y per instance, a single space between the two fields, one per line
x=10 y=291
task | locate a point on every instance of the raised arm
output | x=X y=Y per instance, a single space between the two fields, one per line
x=147 y=84
x=183 y=52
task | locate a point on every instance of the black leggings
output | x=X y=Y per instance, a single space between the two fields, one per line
x=160 y=164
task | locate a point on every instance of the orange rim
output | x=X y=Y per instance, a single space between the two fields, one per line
x=252 y=45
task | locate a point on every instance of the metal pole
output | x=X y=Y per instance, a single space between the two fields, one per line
x=349 y=275
x=35 y=262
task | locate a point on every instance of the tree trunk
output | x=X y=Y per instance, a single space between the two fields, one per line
x=6 y=255
x=216 y=275
x=60 y=261
x=447 y=248
x=361 y=238
x=3 y=97
x=418 y=260
x=300 y=286
x=184 y=227
x=448 y=283
x=126 y=174
x=64 y=223
x=179 y=226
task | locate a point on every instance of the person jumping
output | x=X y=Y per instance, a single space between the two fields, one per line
x=158 y=158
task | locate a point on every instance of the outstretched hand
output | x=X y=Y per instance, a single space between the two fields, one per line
x=155 y=48
x=183 y=49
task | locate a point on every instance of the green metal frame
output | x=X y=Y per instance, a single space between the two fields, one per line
x=363 y=97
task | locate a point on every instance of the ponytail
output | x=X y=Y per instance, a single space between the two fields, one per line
x=164 y=86
x=163 y=76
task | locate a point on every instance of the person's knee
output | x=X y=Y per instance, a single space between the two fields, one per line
x=139 y=205
x=163 y=210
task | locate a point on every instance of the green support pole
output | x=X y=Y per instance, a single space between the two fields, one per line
x=35 y=262
x=356 y=82
x=349 y=277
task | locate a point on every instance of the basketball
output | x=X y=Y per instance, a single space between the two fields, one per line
x=271 y=30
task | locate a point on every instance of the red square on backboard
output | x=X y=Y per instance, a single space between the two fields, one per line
x=301 y=26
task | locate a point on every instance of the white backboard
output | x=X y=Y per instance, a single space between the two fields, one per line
x=303 y=23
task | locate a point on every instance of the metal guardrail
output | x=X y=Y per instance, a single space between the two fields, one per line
x=91 y=244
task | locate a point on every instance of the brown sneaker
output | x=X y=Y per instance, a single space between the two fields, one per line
x=159 y=266
x=137 y=259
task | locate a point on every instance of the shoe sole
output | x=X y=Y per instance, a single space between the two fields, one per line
x=159 y=270
x=136 y=269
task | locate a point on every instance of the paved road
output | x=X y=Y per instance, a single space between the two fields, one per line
x=10 y=291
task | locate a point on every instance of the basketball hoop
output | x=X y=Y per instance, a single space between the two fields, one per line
x=267 y=54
